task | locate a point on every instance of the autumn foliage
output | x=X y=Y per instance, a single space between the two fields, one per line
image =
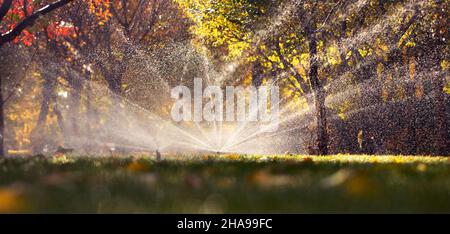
x=101 y=9
x=21 y=9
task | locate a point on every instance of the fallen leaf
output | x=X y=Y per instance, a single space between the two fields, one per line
x=11 y=201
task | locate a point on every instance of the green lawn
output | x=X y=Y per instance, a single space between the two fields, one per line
x=225 y=183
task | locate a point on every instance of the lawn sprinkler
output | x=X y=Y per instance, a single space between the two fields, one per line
x=158 y=155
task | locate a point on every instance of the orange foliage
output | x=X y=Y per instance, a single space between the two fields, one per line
x=60 y=29
x=100 y=8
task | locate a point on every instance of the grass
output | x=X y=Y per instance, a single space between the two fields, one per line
x=224 y=184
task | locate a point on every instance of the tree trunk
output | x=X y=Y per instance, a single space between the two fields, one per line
x=2 y=121
x=59 y=117
x=257 y=74
x=319 y=96
x=412 y=107
x=442 y=142
x=91 y=119
x=36 y=134
x=75 y=98
x=47 y=90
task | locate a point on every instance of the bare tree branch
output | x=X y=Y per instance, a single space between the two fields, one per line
x=4 y=8
x=30 y=20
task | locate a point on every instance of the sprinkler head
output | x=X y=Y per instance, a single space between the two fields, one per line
x=158 y=155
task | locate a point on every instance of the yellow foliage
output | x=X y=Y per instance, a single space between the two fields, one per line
x=233 y=156
x=380 y=69
x=62 y=159
x=447 y=88
x=333 y=55
x=445 y=64
x=406 y=36
x=343 y=109
x=215 y=24
x=365 y=52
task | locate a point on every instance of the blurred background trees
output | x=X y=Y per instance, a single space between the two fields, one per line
x=371 y=76
x=353 y=62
